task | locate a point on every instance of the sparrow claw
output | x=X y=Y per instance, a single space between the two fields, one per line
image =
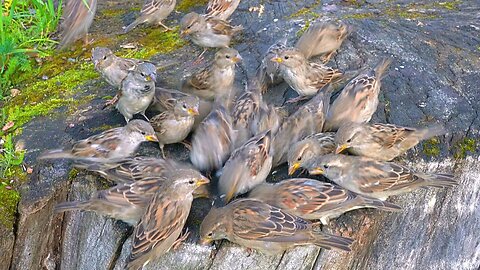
x=180 y=239
x=187 y=145
x=110 y=102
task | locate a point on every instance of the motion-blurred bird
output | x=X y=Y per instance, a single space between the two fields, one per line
x=77 y=19
x=248 y=166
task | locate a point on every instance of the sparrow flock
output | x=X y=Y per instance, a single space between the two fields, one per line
x=240 y=138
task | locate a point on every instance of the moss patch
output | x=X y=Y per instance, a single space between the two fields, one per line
x=464 y=147
x=9 y=199
x=431 y=147
x=359 y=16
x=72 y=174
x=109 y=13
x=187 y=5
x=42 y=97
x=156 y=41
x=449 y=5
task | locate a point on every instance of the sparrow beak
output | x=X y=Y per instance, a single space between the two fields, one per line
x=183 y=33
x=341 y=148
x=295 y=166
x=202 y=181
x=205 y=241
x=192 y=111
x=316 y=171
x=151 y=138
x=237 y=59
x=277 y=59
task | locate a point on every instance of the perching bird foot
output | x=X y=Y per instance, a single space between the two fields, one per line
x=180 y=239
x=110 y=102
x=187 y=145
x=166 y=27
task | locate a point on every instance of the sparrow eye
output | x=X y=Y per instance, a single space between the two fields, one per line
x=349 y=140
x=143 y=74
x=210 y=234
x=105 y=57
x=191 y=182
x=325 y=166
x=286 y=57
x=143 y=133
x=227 y=56
x=184 y=106
x=299 y=158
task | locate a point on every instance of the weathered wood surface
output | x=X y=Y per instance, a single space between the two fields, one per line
x=434 y=77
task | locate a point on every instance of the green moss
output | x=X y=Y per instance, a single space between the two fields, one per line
x=450 y=5
x=112 y=12
x=101 y=128
x=42 y=97
x=72 y=174
x=9 y=199
x=187 y=5
x=303 y=12
x=431 y=147
x=359 y=16
x=157 y=41
x=463 y=147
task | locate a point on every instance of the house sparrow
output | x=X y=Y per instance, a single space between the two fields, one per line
x=307 y=120
x=114 y=143
x=125 y=201
x=268 y=73
x=312 y=199
x=375 y=179
x=248 y=166
x=153 y=12
x=78 y=17
x=268 y=118
x=221 y=9
x=306 y=78
x=213 y=140
x=137 y=91
x=322 y=39
x=215 y=79
x=125 y=170
x=381 y=141
x=170 y=100
x=174 y=126
x=307 y=150
x=245 y=112
x=268 y=229
x=207 y=33
x=162 y=222
x=112 y=68
x=358 y=100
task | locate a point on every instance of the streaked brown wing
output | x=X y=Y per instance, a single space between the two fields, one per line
x=389 y=135
x=200 y=80
x=150 y=6
x=99 y=145
x=163 y=217
x=221 y=27
x=255 y=220
x=137 y=193
x=322 y=75
x=384 y=176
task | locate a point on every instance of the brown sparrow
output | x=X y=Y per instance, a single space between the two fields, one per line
x=114 y=143
x=153 y=12
x=174 y=126
x=216 y=78
x=375 y=179
x=161 y=224
x=170 y=100
x=306 y=78
x=221 y=9
x=358 y=100
x=268 y=229
x=381 y=141
x=312 y=199
x=307 y=150
x=248 y=166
